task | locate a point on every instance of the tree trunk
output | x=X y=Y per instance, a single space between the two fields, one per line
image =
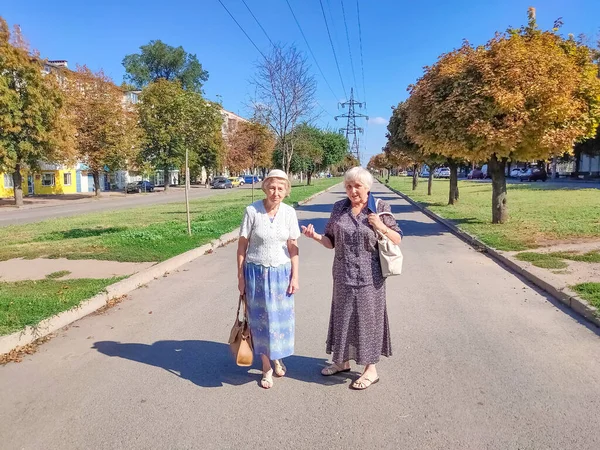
x=308 y=178
x=18 y=186
x=96 y=175
x=499 y=206
x=415 y=180
x=453 y=193
x=166 y=177
x=389 y=170
x=430 y=183
x=577 y=155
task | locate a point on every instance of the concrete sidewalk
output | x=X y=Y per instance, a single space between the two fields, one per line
x=481 y=361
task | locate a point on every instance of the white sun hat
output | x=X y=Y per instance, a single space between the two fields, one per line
x=277 y=173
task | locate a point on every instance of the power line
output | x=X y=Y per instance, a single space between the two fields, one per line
x=362 y=64
x=311 y=52
x=348 y=39
x=333 y=48
x=332 y=23
x=243 y=31
x=261 y=27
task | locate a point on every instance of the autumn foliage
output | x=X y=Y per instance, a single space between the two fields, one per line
x=527 y=94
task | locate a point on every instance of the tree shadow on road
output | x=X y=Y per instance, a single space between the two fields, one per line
x=210 y=364
x=408 y=227
x=318 y=207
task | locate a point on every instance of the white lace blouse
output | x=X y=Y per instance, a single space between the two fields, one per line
x=267 y=241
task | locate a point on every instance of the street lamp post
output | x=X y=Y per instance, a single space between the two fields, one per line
x=187 y=196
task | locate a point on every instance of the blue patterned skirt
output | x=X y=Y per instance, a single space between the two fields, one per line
x=270 y=309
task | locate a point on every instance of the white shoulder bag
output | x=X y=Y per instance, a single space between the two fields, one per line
x=390 y=254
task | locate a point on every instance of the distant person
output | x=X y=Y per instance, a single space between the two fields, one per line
x=358 y=323
x=267 y=262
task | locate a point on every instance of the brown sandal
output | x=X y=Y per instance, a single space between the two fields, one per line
x=332 y=369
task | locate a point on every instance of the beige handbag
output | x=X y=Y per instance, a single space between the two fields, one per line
x=240 y=339
x=390 y=255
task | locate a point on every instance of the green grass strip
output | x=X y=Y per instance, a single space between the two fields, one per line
x=25 y=303
x=589 y=292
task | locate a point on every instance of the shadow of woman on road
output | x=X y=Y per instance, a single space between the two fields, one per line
x=210 y=364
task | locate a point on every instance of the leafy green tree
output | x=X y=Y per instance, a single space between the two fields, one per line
x=33 y=122
x=158 y=60
x=315 y=150
x=174 y=119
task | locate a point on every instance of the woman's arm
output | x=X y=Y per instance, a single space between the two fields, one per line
x=309 y=232
x=241 y=257
x=292 y=245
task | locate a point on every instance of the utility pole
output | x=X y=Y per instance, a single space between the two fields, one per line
x=351 y=128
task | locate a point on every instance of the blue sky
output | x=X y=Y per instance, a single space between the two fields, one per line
x=399 y=38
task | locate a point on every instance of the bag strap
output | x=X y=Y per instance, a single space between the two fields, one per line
x=383 y=212
x=241 y=301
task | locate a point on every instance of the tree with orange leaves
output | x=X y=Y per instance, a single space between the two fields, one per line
x=527 y=94
x=107 y=134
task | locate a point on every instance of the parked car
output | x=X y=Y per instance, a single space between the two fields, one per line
x=534 y=174
x=235 y=181
x=476 y=174
x=442 y=172
x=241 y=180
x=424 y=173
x=222 y=183
x=249 y=179
x=140 y=186
x=410 y=173
x=516 y=173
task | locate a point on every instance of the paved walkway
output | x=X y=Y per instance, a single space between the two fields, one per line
x=481 y=361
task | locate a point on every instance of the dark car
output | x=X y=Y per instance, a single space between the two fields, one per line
x=222 y=183
x=476 y=174
x=249 y=179
x=534 y=174
x=140 y=186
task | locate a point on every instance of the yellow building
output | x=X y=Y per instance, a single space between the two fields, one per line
x=6 y=185
x=50 y=179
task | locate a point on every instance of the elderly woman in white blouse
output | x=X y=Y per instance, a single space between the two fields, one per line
x=267 y=262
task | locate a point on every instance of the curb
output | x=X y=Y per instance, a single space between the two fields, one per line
x=564 y=296
x=29 y=334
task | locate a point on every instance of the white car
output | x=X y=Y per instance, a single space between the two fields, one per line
x=442 y=172
x=516 y=173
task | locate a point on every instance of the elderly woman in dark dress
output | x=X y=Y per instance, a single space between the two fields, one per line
x=358 y=324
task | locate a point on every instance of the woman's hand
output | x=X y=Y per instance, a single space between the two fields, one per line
x=294 y=285
x=309 y=231
x=242 y=285
x=377 y=224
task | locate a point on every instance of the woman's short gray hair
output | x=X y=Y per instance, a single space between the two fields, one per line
x=359 y=174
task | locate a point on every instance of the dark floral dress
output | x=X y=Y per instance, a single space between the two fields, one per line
x=358 y=323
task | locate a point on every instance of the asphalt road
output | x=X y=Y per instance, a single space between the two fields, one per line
x=481 y=361
x=11 y=216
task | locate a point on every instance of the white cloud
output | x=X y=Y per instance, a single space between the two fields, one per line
x=377 y=121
